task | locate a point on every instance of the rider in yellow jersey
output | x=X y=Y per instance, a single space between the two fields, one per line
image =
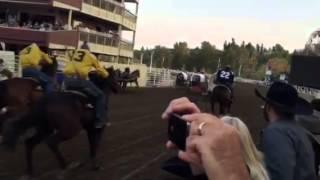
x=31 y=59
x=77 y=71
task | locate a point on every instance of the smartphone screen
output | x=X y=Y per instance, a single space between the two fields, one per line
x=178 y=131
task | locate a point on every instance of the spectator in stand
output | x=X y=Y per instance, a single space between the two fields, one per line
x=24 y=25
x=29 y=25
x=55 y=26
x=42 y=28
x=2 y=21
x=212 y=145
x=287 y=149
x=85 y=45
x=12 y=20
x=2 y=46
x=65 y=27
x=36 y=26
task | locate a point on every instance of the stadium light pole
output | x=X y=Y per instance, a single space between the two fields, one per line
x=141 y=57
x=151 y=61
x=162 y=63
x=240 y=69
x=219 y=64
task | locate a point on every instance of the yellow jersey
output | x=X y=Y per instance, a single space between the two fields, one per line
x=81 y=63
x=31 y=56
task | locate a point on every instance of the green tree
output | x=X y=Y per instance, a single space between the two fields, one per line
x=180 y=55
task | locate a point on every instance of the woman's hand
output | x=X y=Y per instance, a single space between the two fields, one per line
x=216 y=147
x=180 y=106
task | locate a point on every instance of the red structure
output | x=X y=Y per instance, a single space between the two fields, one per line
x=58 y=25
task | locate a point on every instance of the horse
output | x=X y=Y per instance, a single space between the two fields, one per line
x=19 y=94
x=133 y=78
x=58 y=117
x=181 y=80
x=222 y=95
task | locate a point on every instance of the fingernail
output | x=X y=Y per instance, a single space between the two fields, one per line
x=186 y=117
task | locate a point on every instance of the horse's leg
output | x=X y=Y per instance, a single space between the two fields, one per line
x=94 y=137
x=30 y=144
x=53 y=144
x=212 y=105
x=137 y=83
x=229 y=106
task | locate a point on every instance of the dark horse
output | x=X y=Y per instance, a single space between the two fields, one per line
x=181 y=81
x=223 y=96
x=17 y=95
x=58 y=117
x=133 y=78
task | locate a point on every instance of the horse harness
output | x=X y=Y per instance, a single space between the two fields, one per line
x=63 y=90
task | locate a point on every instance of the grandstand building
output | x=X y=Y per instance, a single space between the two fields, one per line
x=59 y=25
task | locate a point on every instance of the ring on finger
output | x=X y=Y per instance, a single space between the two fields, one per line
x=200 y=128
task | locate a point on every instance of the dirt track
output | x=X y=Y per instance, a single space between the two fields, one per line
x=133 y=147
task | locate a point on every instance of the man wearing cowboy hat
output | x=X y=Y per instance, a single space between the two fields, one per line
x=288 y=151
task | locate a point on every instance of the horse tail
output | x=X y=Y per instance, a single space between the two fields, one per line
x=3 y=92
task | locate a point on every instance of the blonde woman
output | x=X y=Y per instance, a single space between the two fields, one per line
x=252 y=157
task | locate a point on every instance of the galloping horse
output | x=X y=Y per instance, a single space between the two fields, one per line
x=17 y=95
x=223 y=96
x=181 y=80
x=133 y=78
x=58 y=117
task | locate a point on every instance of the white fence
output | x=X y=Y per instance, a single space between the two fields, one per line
x=161 y=77
x=308 y=93
x=157 y=77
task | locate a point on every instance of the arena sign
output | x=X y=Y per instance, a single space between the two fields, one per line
x=305 y=71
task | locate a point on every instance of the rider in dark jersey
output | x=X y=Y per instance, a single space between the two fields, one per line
x=225 y=77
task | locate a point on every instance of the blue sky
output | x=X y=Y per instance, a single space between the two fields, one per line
x=260 y=21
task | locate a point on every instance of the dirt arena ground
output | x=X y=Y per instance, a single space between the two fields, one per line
x=133 y=147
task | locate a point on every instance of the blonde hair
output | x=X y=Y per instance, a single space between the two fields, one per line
x=253 y=157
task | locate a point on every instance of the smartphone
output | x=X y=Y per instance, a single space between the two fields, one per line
x=178 y=131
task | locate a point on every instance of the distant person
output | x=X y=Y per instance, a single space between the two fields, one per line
x=85 y=46
x=287 y=149
x=225 y=77
x=126 y=73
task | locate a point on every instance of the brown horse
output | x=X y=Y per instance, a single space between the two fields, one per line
x=223 y=96
x=58 y=117
x=17 y=95
x=133 y=78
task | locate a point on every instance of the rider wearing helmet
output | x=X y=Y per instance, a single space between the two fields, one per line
x=126 y=73
x=32 y=58
x=225 y=77
x=77 y=77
